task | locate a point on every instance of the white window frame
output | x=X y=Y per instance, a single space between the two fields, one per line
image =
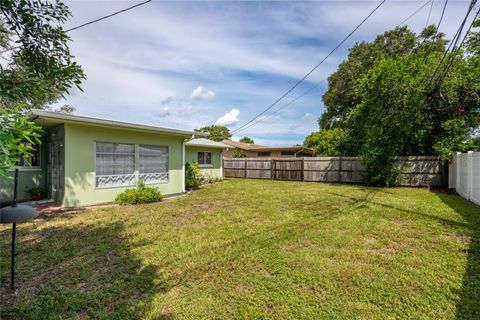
x=136 y=172
x=205 y=165
x=137 y=164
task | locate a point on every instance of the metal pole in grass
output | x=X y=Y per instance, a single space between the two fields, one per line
x=15 y=214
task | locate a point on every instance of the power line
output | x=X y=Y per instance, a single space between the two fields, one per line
x=441 y=17
x=452 y=59
x=312 y=70
x=307 y=92
x=93 y=21
x=454 y=41
x=429 y=13
x=108 y=16
x=415 y=12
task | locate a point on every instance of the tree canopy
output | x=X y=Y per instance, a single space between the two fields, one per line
x=247 y=140
x=37 y=68
x=383 y=101
x=217 y=133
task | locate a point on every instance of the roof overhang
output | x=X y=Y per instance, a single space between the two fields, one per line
x=52 y=118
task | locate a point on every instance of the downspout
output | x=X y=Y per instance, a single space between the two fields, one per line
x=183 y=162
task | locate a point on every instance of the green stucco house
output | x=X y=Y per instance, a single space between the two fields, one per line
x=86 y=161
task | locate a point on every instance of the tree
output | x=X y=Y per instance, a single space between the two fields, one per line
x=247 y=140
x=384 y=102
x=36 y=69
x=342 y=94
x=328 y=142
x=238 y=153
x=217 y=133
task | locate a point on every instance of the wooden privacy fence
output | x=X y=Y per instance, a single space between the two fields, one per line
x=416 y=170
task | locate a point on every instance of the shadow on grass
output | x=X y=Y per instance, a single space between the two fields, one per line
x=468 y=307
x=248 y=245
x=83 y=271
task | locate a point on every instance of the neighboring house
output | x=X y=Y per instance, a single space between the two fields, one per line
x=208 y=155
x=255 y=150
x=84 y=161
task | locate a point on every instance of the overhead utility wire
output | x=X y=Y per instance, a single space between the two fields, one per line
x=454 y=41
x=313 y=69
x=441 y=16
x=429 y=13
x=308 y=91
x=415 y=12
x=94 y=21
x=452 y=60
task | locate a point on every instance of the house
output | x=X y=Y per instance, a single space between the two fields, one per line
x=208 y=155
x=85 y=161
x=255 y=150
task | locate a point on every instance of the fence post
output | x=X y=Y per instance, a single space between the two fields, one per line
x=271 y=168
x=457 y=175
x=245 y=175
x=340 y=179
x=303 y=169
x=470 y=173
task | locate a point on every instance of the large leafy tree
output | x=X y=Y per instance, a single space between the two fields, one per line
x=37 y=68
x=390 y=105
x=342 y=94
x=217 y=133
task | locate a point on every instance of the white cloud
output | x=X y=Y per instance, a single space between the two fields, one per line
x=201 y=93
x=228 y=118
x=163 y=112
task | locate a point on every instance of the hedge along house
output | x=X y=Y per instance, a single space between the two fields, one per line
x=85 y=161
x=209 y=156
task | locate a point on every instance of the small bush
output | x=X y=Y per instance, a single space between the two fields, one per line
x=193 y=175
x=141 y=194
x=37 y=193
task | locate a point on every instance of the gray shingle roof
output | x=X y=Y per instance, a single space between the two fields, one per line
x=202 y=142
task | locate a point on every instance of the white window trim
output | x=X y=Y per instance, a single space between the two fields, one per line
x=206 y=165
x=136 y=173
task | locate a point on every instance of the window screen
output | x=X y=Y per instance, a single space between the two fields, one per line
x=153 y=163
x=264 y=154
x=204 y=158
x=114 y=164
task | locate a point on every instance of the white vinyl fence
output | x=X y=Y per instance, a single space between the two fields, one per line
x=464 y=175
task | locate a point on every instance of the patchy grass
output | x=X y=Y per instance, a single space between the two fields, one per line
x=254 y=249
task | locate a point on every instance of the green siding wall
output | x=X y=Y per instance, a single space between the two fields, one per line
x=27 y=178
x=215 y=171
x=80 y=162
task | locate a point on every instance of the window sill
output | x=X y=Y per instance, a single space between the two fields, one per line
x=205 y=165
x=26 y=169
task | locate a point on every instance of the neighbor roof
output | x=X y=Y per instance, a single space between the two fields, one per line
x=242 y=145
x=256 y=147
x=49 y=115
x=202 y=142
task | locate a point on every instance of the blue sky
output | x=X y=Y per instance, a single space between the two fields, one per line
x=187 y=64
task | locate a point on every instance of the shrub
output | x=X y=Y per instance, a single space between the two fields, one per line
x=141 y=194
x=37 y=193
x=193 y=175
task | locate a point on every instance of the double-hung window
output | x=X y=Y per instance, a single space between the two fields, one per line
x=204 y=158
x=121 y=164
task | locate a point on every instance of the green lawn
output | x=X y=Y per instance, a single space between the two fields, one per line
x=254 y=249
